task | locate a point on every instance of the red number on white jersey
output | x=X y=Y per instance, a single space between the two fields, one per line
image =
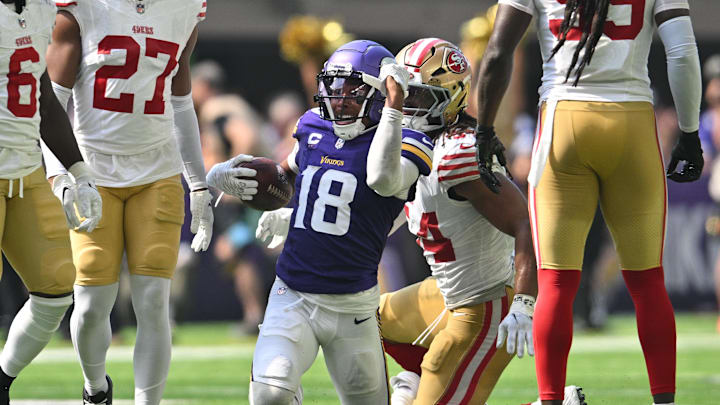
x=154 y=48
x=124 y=103
x=17 y=79
x=612 y=30
x=440 y=246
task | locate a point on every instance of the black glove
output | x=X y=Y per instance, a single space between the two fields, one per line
x=686 y=149
x=488 y=145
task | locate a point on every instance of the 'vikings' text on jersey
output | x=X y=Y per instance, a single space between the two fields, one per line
x=339 y=225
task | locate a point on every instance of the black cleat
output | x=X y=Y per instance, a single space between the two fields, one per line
x=100 y=397
x=5 y=381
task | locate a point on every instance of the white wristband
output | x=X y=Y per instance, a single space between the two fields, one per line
x=524 y=304
x=62 y=93
x=81 y=172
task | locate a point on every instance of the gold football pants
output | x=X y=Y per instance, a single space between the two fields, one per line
x=143 y=221
x=461 y=363
x=607 y=153
x=34 y=235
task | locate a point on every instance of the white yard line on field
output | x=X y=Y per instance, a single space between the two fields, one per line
x=125 y=353
x=581 y=344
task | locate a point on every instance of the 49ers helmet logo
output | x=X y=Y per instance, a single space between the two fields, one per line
x=456 y=62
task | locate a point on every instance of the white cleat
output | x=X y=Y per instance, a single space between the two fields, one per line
x=574 y=396
x=405 y=387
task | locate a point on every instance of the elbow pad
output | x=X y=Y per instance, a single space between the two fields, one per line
x=683 y=70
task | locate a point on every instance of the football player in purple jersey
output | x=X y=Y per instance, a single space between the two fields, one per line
x=353 y=167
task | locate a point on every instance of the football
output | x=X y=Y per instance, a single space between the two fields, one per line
x=274 y=187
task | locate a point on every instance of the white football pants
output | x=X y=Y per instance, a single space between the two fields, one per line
x=294 y=329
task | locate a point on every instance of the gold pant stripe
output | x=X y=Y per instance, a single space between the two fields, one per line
x=606 y=153
x=464 y=383
x=461 y=348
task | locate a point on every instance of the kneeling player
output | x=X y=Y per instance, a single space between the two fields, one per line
x=354 y=165
x=445 y=330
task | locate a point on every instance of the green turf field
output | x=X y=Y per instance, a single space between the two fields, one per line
x=211 y=367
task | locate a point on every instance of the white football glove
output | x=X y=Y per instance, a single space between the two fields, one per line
x=517 y=326
x=80 y=198
x=389 y=68
x=64 y=189
x=276 y=224
x=224 y=176
x=202 y=219
x=397 y=72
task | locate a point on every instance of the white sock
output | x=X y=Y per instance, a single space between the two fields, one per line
x=91 y=332
x=151 y=361
x=31 y=330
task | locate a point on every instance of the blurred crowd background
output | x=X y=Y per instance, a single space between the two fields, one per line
x=253 y=75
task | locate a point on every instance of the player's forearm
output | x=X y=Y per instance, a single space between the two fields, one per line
x=55 y=129
x=683 y=66
x=495 y=69
x=496 y=65
x=64 y=53
x=288 y=165
x=384 y=171
x=525 y=265
x=187 y=134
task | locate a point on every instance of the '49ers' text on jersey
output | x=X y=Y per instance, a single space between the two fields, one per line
x=339 y=225
x=618 y=71
x=129 y=57
x=470 y=258
x=24 y=38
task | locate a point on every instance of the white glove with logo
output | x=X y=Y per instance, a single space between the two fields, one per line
x=389 y=68
x=202 y=219
x=80 y=198
x=276 y=224
x=224 y=176
x=398 y=73
x=517 y=326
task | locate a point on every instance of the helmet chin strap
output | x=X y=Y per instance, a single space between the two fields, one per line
x=414 y=122
x=347 y=132
x=420 y=123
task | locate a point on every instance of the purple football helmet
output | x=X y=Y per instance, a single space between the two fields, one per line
x=348 y=87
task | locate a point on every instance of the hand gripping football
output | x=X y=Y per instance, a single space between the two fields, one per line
x=274 y=187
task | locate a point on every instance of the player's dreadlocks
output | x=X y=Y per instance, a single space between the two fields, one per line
x=591 y=15
x=19 y=5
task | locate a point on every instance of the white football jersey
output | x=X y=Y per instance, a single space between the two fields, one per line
x=123 y=115
x=618 y=70
x=24 y=38
x=470 y=258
